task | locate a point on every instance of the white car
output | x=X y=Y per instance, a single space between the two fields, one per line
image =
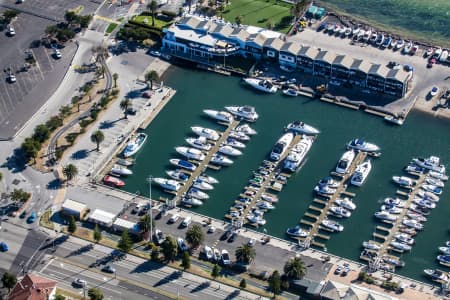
x=12 y=78
x=79 y=282
x=174 y=218
x=57 y=54
x=251 y=242
x=155 y=53
x=11 y=31
x=211 y=229
x=434 y=91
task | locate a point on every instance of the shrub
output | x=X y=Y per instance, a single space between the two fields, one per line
x=169 y=13
x=85 y=122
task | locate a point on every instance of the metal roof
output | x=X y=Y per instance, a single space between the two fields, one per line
x=326 y=56
x=291 y=47
x=343 y=61
x=73 y=205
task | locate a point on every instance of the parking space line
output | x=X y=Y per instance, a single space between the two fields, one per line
x=8 y=97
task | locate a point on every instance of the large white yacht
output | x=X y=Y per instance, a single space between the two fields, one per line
x=200 y=143
x=359 y=144
x=281 y=146
x=221 y=160
x=261 y=85
x=303 y=128
x=222 y=116
x=228 y=150
x=297 y=154
x=361 y=173
x=332 y=225
x=345 y=162
x=246 y=112
x=432 y=163
x=168 y=184
x=210 y=134
x=404 y=181
x=191 y=153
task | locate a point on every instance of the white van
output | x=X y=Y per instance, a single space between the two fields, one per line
x=186 y=222
x=174 y=218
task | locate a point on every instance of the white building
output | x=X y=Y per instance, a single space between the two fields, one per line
x=74 y=208
x=102 y=217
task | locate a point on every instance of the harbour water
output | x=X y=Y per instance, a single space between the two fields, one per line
x=422 y=135
x=426 y=20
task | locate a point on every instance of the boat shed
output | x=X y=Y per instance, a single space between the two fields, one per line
x=122 y=224
x=288 y=53
x=74 y=208
x=272 y=47
x=102 y=217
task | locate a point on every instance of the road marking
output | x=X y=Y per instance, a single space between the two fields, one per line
x=46 y=265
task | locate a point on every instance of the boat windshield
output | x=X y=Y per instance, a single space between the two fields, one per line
x=278 y=148
x=343 y=164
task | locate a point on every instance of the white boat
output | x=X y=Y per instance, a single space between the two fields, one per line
x=234 y=143
x=394 y=201
x=324 y=189
x=168 y=184
x=427 y=195
x=245 y=128
x=206 y=132
x=290 y=92
x=432 y=163
x=281 y=146
x=400 y=246
x=265 y=205
x=419 y=209
x=191 y=153
x=361 y=173
x=221 y=160
x=432 y=188
x=435 y=182
x=134 y=145
x=416 y=216
x=342 y=30
x=177 y=175
x=269 y=197
x=360 y=34
x=208 y=252
x=261 y=85
x=340 y=211
x=371 y=245
x=384 y=215
x=239 y=135
x=412 y=223
x=445 y=250
x=256 y=219
x=200 y=143
x=359 y=144
x=297 y=154
x=246 y=112
x=444 y=260
x=438 y=175
x=202 y=185
x=125 y=162
x=222 y=116
x=228 y=150
x=392 y=209
x=394 y=120
x=208 y=179
x=329 y=181
x=404 y=181
x=183 y=164
x=404 y=238
x=332 y=225
x=429 y=52
x=303 y=128
x=196 y=193
x=400 y=45
x=346 y=203
x=345 y=162
x=413 y=168
x=437 y=275
x=425 y=203
x=348 y=31
x=191 y=201
x=297 y=231
x=121 y=170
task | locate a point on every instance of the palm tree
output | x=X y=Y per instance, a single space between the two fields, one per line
x=220 y=9
x=70 y=171
x=194 y=236
x=124 y=105
x=245 y=254
x=98 y=137
x=239 y=19
x=153 y=6
x=115 y=77
x=151 y=76
x=295 y=268
x=144 y=225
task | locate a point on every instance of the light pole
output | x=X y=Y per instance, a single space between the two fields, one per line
x=149 y=179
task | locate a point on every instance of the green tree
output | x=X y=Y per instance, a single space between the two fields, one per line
x=9 y=281
x=59 y=297
x=95 y=294
x=195 y=236
x=54 y=122
x=275 y=283
x=169 y=249
x=97 y=235
x=19 y=195
x=70 y=17
x=189 y=5
x=144 y=226
x=125 y=242
x=72 y=225
x=9 y=14
x=31 y=148
x=295 y=268
x=153 y=6
x=245 y=254
x=64 y=111
x=243 y=283
x=84 y=21
x=124 y=105
x=220 y=9
x=115 y=77
x=41 y=133
x=97 y=137
x=154 y=256
x=239 y=19
x=70 y=171
x=1 y=176
x=215 y=272
x=151 y=76
x=186 y=260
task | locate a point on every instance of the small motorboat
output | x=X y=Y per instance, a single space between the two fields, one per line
x=234 y=143
x=361 y=173
x=256 y=219
x=281 y=146
x=404 y=181
x=416 y=216
x=394 y=201
x=168 y=184
x=196 y=193
x=445 y=250
x=191 y=201
x=261 y=84
x=303 y=128
x=221 y=160
x=246 y=112
x=427 y=195
x=208 y=133
x=202 y=185
x=395 y=261
x=359 y=144
x=121 y=170
x=432 y=188
x=297 y=231
x=110 y=180
x=245 y=128
x=222 y=116
x=329 y=181
x=134 y=145
x=228 y=150
x=324 y=189
x=290 y=92
x=177 y=175
x=400 y=246
x=265 y=205
x=191 y=153
x=404 y=238
x=332 y=225
x=339 y=211
x=392 y=209
x=413 y=168
x=437 y=275
x=239 y=135
x=419 y=209
x=371 y=245
x=208 y=179
x=125 y=162
x=345 y=203
x=438 y=175
x=269 y=197
x=200 y=143
x=435 y=182
x=425 y=203
x=183 y=164
x=444 y=260
x=385 y=216
x=432 y=163
x=412 y=223
x=394 y=120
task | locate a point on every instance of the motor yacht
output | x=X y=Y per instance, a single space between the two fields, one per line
x=435 y=182
x=324 y=189
x=183 y=164
x=234 y=143
x=416 y=216
x=110 y=180
x=437 y=275
x=432 y=163
x=297 y=154
x=340 y=211
x=371 y=245
x=121 y=170
x=191 y=153
x=177 y=175
x=444 y=250
x=361 y=173
x=269 y=197
x=329 y=181
x=281 y=146
x=239 y=135
x=196 y=193
x=261 y=85
x=256 y=219
x=202 y=185
x=424 y=203
x=168 y=184
x=438 y=175
x=200 y=143
x=297 y=231
x=290 y=92
x=208 y=179
x=245 y=128
x=444 y=260
x=419 y=209
x=222 y=116
x=134 y=145
x=345 y=203
x=332 y=225
x=413 y=168
x=228 y=150
x=400 y=246
x=385 y=216
x=404 y=181
x=246 y=112
x=412 y=223
x=427 y=195
x=191 y=201
x=125 y=162
x=210 y=134
x=265 y=205
x=432 y=188
x=404 y=238
x=345 y=162
x=392 y=209
x=302 y=128
x=219 y=159
x=394 y=201
x=359 y=144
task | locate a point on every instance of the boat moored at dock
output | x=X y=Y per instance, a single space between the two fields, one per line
x=345 y=162
x=281 y=146
x=302 y=128
x=297 y=231
x=221 y=116
x=134 y=145
x=191 y=153
x=361 y=145
x=261 y=85
x=245 y=112
x=183 y=164
x=200 y=143
x=168 y=184
x=361 y=173
x=297 y=154
x=208 y=133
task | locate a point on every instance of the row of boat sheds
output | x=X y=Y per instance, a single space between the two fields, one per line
x=201 y=39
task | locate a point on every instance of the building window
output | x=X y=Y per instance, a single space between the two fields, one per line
x=270 y=53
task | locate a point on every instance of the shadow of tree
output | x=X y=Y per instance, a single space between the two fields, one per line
x=80 y=154
x=172 y=276
x=201 y=287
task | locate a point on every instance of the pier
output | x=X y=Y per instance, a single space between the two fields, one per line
x=324 y=212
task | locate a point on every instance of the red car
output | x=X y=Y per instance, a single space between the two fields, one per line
x=431 y=62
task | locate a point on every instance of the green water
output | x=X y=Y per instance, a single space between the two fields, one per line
x=420 y=136
x=426 y=20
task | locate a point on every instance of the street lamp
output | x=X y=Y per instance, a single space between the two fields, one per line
x=149 y=179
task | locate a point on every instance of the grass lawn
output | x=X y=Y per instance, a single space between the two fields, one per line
x=147 y=20
x=111 y=27
x=259 y=13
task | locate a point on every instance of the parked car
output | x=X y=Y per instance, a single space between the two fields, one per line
x=174 y=218
x=4 y=247
x=79 y=282
x=11 y=78
x=11 y=31
x=186 y=221
x=211 y=229
x=434 y=91
x=182 y=245
x=109 y=269
x=226 y=235
x=31 y=218
x=232 y=237
x=57 y=54
x=155 y=53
